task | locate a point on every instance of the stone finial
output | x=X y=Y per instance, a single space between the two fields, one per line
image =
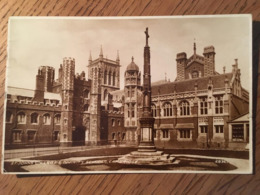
x=90 y=56
x=117 y=56
x=101 y=52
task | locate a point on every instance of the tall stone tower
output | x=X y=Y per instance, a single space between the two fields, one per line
x=209 y=61
x=68 y=72
x=132 y=90
x=95 y=104
x=110 y=77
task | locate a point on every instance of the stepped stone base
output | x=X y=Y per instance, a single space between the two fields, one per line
x=147 y=158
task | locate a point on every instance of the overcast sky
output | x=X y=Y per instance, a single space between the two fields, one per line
x=35 y=42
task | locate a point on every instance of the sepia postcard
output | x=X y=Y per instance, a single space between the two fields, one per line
x=128 y=95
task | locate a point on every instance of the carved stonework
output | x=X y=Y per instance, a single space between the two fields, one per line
x=203 y=120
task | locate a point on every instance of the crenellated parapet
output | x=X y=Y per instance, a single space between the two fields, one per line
x=32 y=104
x=114 y=113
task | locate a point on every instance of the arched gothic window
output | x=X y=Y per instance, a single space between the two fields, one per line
x=46 y=119
x=21 y=117
x=154 y=113
x=34 y=118
x=57 y=119
x=167 y=109
x=184 y=108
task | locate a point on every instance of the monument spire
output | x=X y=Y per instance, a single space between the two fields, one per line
x=146 y=153
x=147 y=79
x=147 y=120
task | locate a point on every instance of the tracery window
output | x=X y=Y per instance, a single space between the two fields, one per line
x=167 y=109
x=184 y=108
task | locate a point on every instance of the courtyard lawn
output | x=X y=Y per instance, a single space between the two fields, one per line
x=105 y=159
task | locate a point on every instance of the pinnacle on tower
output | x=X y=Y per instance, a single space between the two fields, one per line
x=117 y=56
x=235 y=66
x=236 y=62
x=101 y=52
x=132 y=58
x=90 y=56
x=194 y=46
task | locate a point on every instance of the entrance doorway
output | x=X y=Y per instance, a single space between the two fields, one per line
x=78 y=136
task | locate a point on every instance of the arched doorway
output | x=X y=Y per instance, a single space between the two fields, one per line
x=78 y=136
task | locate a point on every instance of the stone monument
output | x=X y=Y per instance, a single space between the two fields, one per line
x=147 y=152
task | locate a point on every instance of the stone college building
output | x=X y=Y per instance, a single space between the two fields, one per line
x=200 y=109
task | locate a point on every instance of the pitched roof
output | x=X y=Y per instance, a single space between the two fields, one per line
x=241 y=118
x=218 y=81
x=16 y=91
x=52 y=96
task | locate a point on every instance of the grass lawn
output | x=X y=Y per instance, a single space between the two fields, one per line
x=104 y=159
